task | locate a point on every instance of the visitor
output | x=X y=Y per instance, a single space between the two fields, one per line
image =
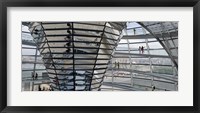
x=36 y=76
x=51 y=87
x=142 y=49
x=32 y=74
x=118 y=65
x=153 y=88
x=134 y=31
x=139 y=50
x=39 y=88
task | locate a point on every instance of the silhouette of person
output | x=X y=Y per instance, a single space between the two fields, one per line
x=39 y=88
x=134 y=30
x=139 y=50
x=32 y=74
x=118 y=65
x=142 y=49
x=153 y=88
x=36 y=76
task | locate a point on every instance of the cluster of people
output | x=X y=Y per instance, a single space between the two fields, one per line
x=45 y=87
x=141 y=49
x=34 y=76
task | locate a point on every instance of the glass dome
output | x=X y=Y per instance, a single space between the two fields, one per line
x=100 y=56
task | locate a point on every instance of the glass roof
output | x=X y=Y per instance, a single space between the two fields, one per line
x=167 y=35
x=132 y=69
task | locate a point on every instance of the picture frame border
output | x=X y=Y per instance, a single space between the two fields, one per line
x=4 y=4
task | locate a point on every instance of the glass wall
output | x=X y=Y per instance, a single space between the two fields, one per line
x=141 y=62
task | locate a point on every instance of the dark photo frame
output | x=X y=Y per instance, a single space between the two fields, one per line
x=4 y=4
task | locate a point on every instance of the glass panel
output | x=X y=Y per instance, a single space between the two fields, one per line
x=56 y=32
x=123 y=41
x=84 y=62
x=112 y=31
x=154 y=45
x=86 y=26
x=176 y=42
x=27 y=66
x=48 y=25
x=162 y=70
x=40 y=66
x=136 y=40
x=161 y=61
x=136 y=61
x=141 y=68
x=102 y=61
x=158 y=52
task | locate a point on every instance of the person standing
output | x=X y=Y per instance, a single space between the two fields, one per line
x=139 y=50
x=36 y=76
x=39 y=88
x=142 y=49
x=118 y=65
x=153 y=88
x=32 y=74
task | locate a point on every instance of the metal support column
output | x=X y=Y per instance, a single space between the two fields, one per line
x=130 y=60
x=112 y=73
x=36 y=50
